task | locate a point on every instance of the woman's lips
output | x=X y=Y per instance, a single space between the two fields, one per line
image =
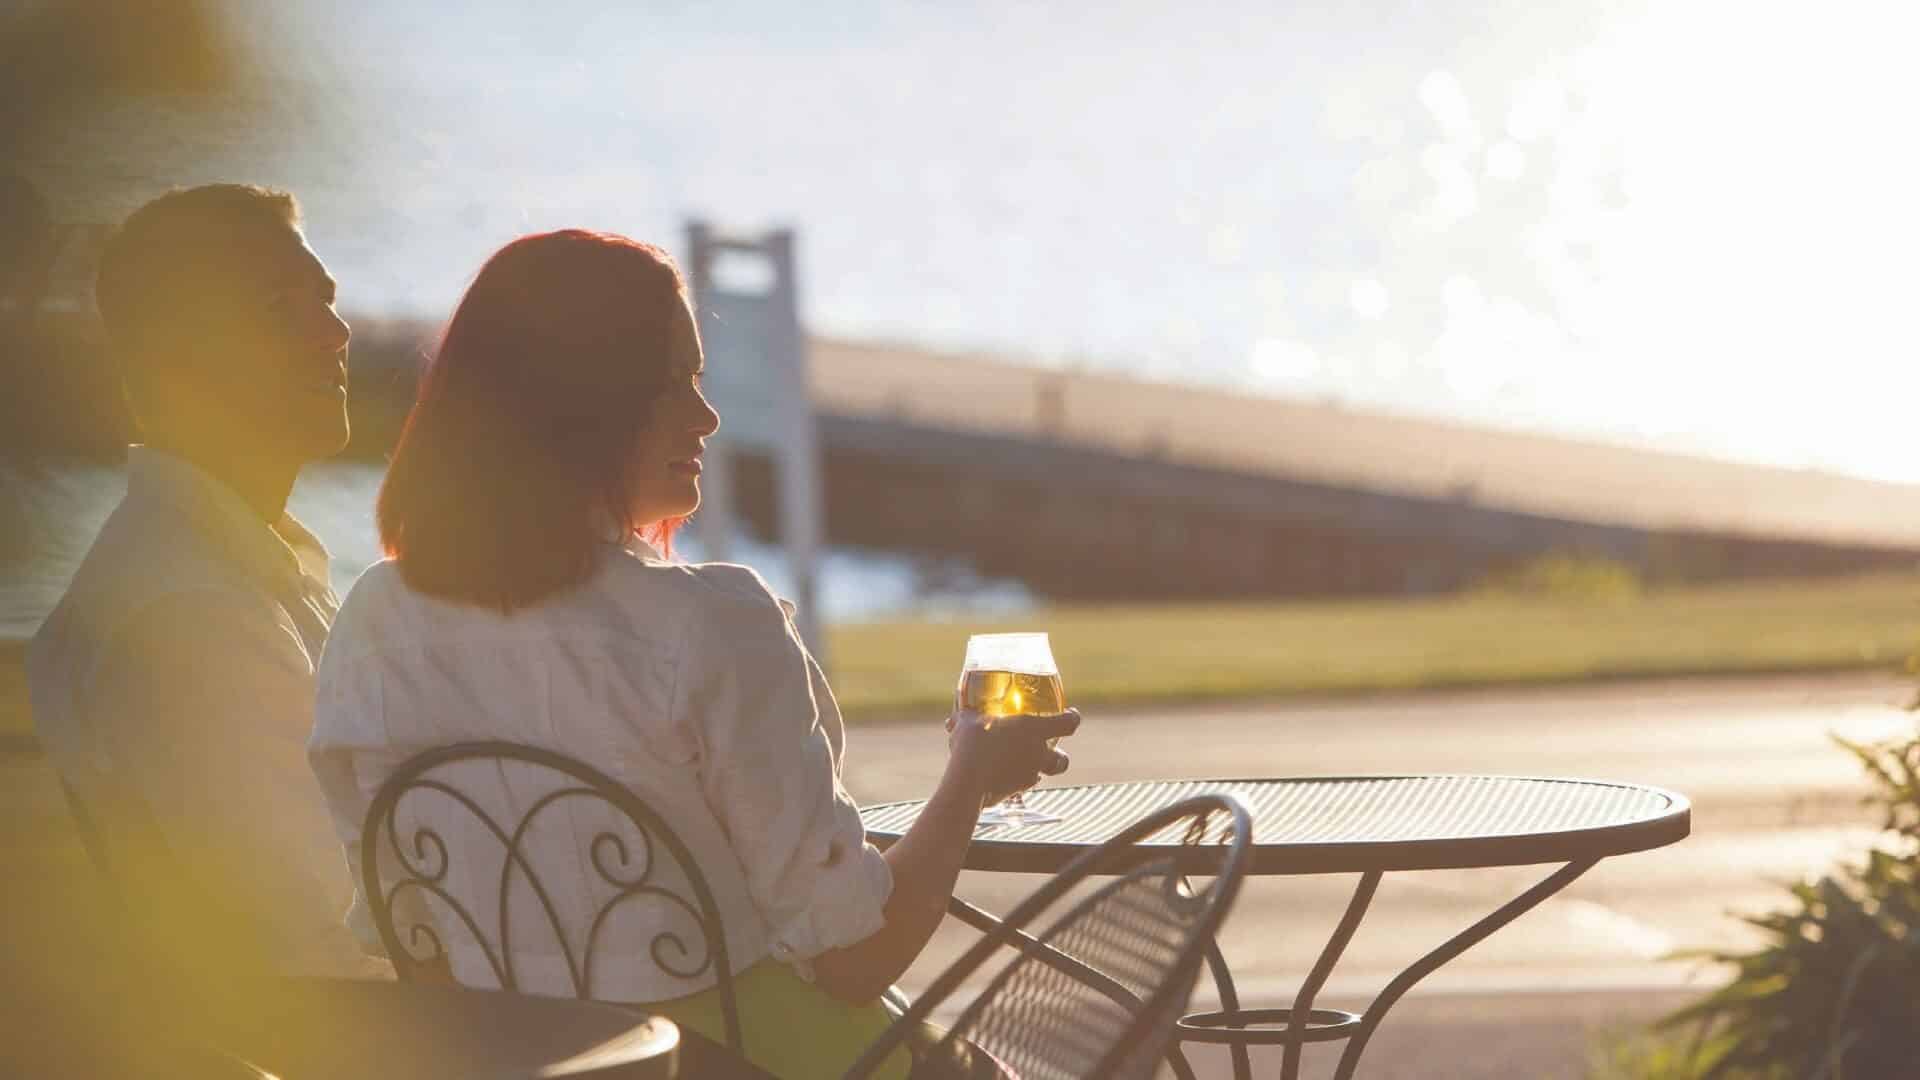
x=689 y=467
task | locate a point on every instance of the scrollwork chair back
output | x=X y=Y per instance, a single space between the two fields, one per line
x=458 y=837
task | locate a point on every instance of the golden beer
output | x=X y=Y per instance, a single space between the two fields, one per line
x=1011 y=675
x=1011 y=693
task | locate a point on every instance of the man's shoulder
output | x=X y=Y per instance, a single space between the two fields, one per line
x=146 y=568
x=145 y=605
x=144 y=550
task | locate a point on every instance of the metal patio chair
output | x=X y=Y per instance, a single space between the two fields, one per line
x=91 y=840
x=629 y=854
x=1097 y=992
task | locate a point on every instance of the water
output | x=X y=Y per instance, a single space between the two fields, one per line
x=50 y=511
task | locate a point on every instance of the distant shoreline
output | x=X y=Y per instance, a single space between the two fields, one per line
x=65 y=400
x=1169 y=656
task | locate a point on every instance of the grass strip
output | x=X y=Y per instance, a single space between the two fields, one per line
x=1139 y=654
x=1169 y=654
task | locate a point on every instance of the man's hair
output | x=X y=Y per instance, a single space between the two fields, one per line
x=179 y=243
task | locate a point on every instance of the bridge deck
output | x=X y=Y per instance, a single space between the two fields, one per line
x=1341 y=447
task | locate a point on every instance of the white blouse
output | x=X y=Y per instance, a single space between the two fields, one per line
x=686 y=683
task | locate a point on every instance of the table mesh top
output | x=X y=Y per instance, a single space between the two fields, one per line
x=1348 y=810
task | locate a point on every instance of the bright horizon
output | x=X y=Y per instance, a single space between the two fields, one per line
x=1675 y=224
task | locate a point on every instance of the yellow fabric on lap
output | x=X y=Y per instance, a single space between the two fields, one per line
x=791 y=1028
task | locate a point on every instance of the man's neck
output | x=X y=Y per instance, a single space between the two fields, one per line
x=261 y=483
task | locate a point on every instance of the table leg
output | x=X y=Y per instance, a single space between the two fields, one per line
x=1454 y=946
x=1229 y=1026
x=1230 y=1003
x=1099 y=980
x=1323 y=967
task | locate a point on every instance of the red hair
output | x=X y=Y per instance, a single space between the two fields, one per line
x=512 y=470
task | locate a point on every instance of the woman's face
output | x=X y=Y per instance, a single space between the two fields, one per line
x=666 y=462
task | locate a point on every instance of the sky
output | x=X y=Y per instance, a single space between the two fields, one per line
x=1684 y=223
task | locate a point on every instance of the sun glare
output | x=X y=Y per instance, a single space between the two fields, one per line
x=1765 y=213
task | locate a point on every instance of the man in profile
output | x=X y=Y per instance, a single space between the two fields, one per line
x=172 y=687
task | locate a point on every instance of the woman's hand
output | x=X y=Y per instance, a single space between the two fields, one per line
x=1003 y=755
x=992 y=759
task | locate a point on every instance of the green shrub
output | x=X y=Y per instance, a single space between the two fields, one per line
x=1834 y=993
x=1563 y=576
x=1659 y=1055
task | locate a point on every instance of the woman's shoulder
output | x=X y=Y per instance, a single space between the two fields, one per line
x=378 y=592
x=728 y=596
x=717 y=586
x=379 y=577
x=372 y=602
x=375 y=588
x=736 y=582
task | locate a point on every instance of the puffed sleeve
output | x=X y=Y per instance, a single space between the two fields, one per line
x=771 y=736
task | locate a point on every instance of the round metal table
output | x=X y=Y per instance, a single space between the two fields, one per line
x=319 y=1029
x=1368 y=825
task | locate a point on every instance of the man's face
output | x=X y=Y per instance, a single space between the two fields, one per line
x=274 y=351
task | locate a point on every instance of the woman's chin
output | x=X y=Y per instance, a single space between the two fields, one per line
x=668 y=509
x=691 y=501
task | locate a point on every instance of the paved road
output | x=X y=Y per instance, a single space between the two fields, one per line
x=1773 y=799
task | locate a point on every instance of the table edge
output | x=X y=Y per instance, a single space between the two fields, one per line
x=1437 y=853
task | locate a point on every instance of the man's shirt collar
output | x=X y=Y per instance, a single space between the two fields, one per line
x=280 y=554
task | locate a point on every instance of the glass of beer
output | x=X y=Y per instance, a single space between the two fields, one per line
x=1011 y=675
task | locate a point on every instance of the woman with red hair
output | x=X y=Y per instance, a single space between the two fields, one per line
x=554 y=446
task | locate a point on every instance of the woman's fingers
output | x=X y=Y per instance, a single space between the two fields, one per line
x=1055 y=725
x=1030 y=725
x=1013 y=751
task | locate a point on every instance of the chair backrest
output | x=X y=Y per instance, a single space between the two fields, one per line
x=174 y=948
x=142 y=885
x=93 y=842
x=640 y=865
x=1144 y=932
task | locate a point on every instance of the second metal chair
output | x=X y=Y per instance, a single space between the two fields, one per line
x=634 y=854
